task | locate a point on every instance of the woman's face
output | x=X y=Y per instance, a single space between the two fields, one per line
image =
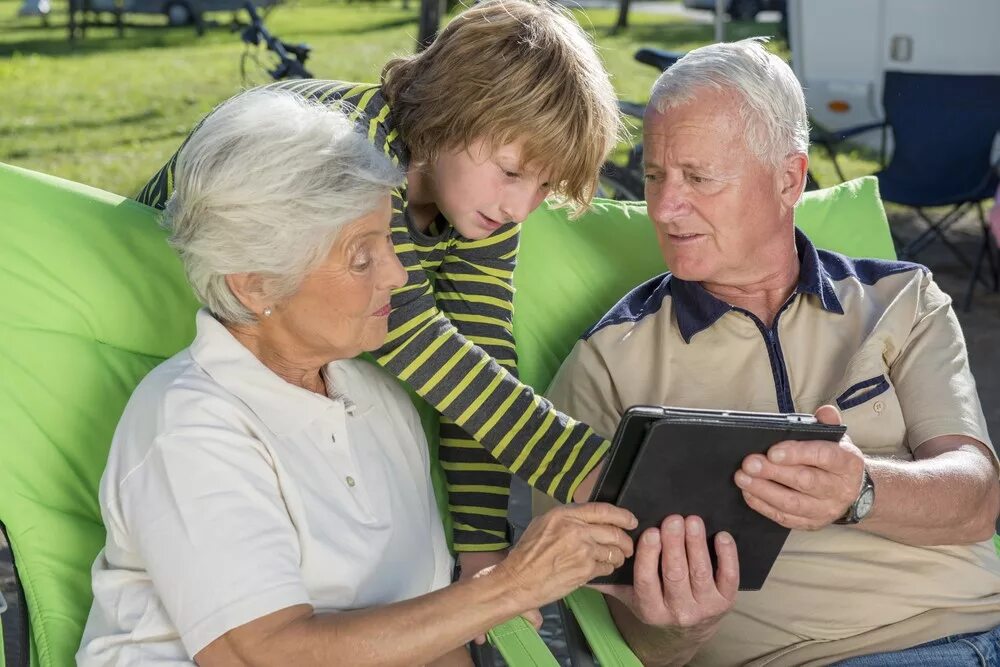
x=342 y=307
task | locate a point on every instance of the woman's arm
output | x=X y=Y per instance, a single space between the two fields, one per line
x=560 y=551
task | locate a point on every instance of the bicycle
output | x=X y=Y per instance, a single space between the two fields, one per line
x=625 y=182
x=291 y=57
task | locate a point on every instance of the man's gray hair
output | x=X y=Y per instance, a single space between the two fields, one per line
x=773 y=108
x=263 y=186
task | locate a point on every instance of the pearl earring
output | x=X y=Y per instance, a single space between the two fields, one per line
x=267 y=312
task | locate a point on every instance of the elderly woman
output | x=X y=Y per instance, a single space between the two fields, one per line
x=267 y=497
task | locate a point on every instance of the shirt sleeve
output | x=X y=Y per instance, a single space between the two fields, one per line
x=206 y=515
x=931 y=374
x=584 y=386
x=521 y=430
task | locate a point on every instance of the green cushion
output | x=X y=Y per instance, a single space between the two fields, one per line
x=570 y=272
x=94 y=298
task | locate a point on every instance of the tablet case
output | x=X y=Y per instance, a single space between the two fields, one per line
x=685 y=465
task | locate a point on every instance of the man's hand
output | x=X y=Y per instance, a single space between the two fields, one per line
x=474 y=564
x=804 y=485
x=689 y=595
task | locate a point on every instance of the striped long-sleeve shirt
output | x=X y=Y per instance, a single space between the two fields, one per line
x=451 y=340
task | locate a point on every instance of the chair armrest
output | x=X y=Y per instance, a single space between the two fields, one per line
x=826 y=137
x=658 y=58
x=594 y=617
x=520 y=645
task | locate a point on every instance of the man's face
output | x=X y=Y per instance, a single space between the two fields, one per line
x=720 y=214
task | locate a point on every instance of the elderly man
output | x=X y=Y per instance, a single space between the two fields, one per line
x=754 y=317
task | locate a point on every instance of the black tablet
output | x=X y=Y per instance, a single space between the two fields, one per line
x=667 y=461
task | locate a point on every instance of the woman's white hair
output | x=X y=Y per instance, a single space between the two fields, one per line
x=773 y=108
x=263 y=186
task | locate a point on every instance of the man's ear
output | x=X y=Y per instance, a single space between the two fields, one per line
x=793 y=178
x=247 y=288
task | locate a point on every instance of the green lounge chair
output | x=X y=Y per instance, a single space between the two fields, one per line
x=94 y=298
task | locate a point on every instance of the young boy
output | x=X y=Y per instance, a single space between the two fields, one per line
x=508 y=106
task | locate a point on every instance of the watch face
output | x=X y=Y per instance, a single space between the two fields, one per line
x=865 y=503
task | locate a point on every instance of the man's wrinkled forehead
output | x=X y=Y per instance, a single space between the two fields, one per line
x=699 y=129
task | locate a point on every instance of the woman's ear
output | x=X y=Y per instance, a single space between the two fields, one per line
x=247 y=288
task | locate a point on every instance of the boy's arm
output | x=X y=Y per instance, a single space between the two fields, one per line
x=521 y=429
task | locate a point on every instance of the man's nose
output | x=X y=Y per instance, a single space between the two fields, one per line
x=665 y=199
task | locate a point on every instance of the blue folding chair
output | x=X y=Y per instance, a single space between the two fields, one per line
x=943 y=129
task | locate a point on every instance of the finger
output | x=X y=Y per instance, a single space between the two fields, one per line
x=699 y=562
x=480 y=640
x=673 y=560
x=727 y=574
x=777 y=516
x=534 y=617
x=603 y=553
x=829 y=456
x=812 y=481
x=608 y=536
x=828 y=414
x=646 y=584
x=603 y=513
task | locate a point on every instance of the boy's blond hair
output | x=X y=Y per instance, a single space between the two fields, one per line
x=508 y=70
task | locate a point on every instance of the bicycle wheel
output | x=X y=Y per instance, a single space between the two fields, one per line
x=620 y=183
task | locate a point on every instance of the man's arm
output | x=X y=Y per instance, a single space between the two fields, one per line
x=949 y=493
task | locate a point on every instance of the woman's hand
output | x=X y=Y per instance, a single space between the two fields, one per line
x=565 y=548
x=473 y=564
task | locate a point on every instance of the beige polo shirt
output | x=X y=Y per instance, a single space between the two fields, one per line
x=880 y=340
x=230 y=494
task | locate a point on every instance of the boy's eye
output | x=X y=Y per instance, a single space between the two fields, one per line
x=511 y=174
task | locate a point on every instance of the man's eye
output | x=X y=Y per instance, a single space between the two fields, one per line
x=650 y=178
x=694 y=178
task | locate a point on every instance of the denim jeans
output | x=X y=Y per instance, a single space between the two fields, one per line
x=976 y=649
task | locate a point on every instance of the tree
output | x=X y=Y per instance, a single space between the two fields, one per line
x=430 y=20
x=622 y=23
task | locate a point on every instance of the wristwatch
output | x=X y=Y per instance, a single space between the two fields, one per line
x=861 y=507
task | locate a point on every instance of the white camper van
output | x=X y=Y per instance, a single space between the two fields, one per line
x=841 y=49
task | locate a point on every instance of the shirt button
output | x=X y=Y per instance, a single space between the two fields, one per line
x=878 y=407
x=350 y=481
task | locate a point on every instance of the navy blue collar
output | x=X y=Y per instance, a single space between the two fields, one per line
x=697 y=309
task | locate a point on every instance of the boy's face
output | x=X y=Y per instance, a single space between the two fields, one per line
x=478 y=190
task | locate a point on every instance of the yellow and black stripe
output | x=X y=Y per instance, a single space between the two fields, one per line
x=451 y=339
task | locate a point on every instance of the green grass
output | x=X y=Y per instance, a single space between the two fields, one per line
x=108 y=111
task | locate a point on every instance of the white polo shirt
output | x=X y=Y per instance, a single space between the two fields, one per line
x=230 y=494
